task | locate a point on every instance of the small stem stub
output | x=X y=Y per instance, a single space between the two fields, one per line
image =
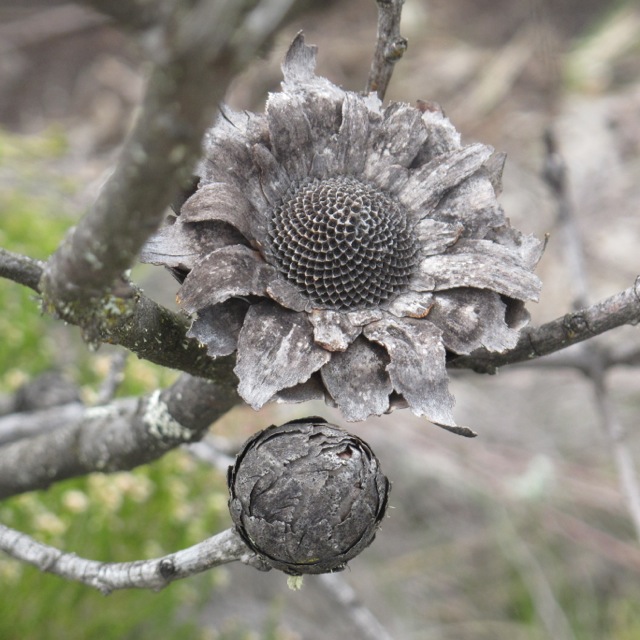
x=306 y=496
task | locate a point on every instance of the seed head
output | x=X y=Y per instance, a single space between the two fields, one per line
x=343 y=243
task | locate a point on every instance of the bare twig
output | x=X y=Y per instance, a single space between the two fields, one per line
x=579 y=359
x=207 y=451
x=155 y=574
x=119 y=436
x=390 y=46
x=113 y=379
x=624 y=554
x=616 y=433
x=556 y=176
x=135 y=14
x=20 y=269
x=572 y=328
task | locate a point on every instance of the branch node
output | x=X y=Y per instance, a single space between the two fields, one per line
x=575 y=324
x=395 y=49
x=167 y=568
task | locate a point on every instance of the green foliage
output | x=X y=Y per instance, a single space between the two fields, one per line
x=32 y=223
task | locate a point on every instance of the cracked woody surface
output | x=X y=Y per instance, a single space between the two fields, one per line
x=342 y=249
x=307 y=496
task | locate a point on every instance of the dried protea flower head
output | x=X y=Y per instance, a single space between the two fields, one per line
x=343 y=249
x=306 y=496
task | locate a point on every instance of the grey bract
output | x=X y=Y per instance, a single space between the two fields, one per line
x=342 y=249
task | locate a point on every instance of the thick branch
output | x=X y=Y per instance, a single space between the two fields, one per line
x=156 y=574
x=620 y=309
x=158 y=335
x=129 y=319
x=119 y=436
x=151 y=331
x=390 y=46
x=131 y=205
x=197 y=53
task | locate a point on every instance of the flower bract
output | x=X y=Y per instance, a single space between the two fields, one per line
x=343 y=249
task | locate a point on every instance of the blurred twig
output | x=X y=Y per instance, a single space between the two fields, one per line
x=20 y=269
x=390 y=46
x=547 y=607
x=604 y=544
x=555 y=174
x=113 y=379
x=208 y=450
x=362 y=617
x=46 y=24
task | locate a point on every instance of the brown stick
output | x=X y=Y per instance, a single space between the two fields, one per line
x=390 y=46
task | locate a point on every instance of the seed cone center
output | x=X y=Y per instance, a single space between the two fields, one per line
x=343 y=243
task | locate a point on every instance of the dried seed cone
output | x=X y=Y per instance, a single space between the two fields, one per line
x=307 y=496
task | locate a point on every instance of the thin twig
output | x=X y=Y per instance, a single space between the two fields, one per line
x=617 y=436
x=21 y=269
x=134 y=14
x=578 y=358
x=155 y=574
x=390 y=46
x=113 y=379
x=46 y=24
x=362 y=617
x=618 y=310
x=207 y=451
x=556 y=177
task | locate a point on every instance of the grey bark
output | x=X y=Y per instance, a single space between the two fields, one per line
x=119 y=436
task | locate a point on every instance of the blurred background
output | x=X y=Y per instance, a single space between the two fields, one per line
x=519 y=534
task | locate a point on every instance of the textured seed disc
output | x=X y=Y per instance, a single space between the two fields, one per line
x=344 y=244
